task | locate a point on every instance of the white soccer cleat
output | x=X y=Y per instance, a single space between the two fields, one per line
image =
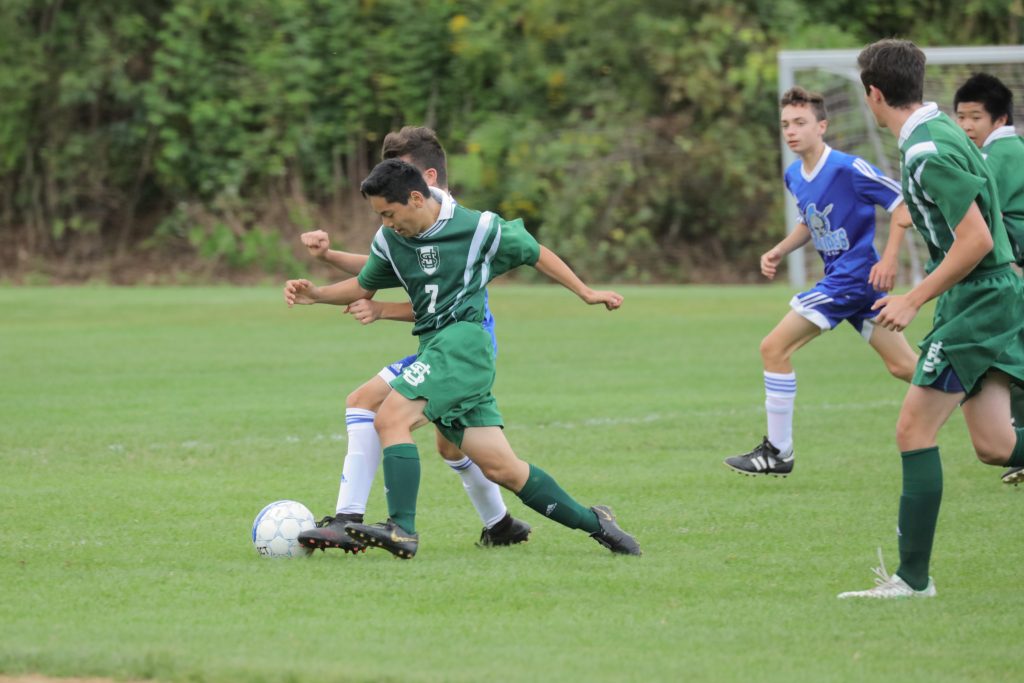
x=888 y=587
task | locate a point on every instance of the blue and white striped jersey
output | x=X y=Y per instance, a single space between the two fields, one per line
x=837 y=203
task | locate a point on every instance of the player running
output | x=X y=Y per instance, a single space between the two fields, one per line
x=976 y=345
x=984 y=109
x=420 y=147
x=444 y=255
x=836 y=194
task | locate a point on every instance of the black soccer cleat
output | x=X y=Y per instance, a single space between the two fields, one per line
x=611 y=535
x=764 y=459
x=387 y=535
x=1013 y=475
x=330 y=533
x=508 y=531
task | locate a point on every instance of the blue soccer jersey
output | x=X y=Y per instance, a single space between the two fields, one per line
x=837 y=203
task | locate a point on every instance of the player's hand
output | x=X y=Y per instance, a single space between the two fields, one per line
x=883 y=275
x=301 y=292
x=610 y=299
x=896 y=312
x=317 y=242
x=770 y=261
x=365 y=311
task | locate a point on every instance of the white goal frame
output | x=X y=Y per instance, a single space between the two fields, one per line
x=843 y=63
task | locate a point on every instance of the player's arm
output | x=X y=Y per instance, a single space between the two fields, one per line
x=973 y=241
x=883 y=274
x=367 y=311
x=770 y=260
x=304 y=292
x=558 y=270
x=318 y=244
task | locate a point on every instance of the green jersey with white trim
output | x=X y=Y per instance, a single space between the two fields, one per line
x=1004 y=152
x=943 y=172
x=445 y=268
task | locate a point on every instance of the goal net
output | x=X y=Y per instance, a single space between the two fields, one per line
x=834 y=74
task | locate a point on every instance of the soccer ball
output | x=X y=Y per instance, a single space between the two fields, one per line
x=275 y=531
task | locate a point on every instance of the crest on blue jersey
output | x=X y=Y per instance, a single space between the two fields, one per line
x=429 y=259
x=826 y=240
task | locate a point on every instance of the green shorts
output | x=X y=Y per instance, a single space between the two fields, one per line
x=454 y=372
x=978 y=326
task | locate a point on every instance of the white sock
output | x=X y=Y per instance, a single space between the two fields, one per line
x=361 y=461
x=780 y=394
x=484 y=493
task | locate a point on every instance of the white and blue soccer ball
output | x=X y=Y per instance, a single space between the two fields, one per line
x=276 y=529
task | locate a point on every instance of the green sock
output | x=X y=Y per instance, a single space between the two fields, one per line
x=919 y=513
x=1017 y=405
x=1017 y=454
x=402 y=483
x=543 y=494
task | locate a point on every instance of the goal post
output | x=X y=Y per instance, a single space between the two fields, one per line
x=852 y=128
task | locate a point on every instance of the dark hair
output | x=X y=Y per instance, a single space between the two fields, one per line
x=798 y=96
x=421 y=145
x=394 y=180
x=990 y=92
x=896 y=67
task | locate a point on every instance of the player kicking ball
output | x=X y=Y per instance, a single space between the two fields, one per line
x=975 y=348
x=836 y=194
x=444 y=255
x=420 y=147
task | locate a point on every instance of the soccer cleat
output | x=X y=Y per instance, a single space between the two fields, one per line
x=508 y=531
x=764 y=459
x=611 y=535
x=387 y=535
x=890 y=587
x=1013 y=475
x=330 y=533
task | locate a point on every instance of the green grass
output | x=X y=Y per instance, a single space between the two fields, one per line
x=142 y=429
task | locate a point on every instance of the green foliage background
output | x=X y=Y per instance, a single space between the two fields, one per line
x=637 y=138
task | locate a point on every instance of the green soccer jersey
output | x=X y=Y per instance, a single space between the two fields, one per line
x=445 y=268
x=942 y=173
x=1004 y=152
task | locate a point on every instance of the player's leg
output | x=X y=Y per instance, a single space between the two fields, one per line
x=898 y=355
x=924 y=411
x=488 y=448
x=358 y=470
x=500 y=527
x=397 y=418
x=987 y=413
x=1015 y=475
x=774 y=455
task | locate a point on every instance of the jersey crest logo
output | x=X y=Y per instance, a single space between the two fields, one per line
x=416 y=373
x=429 y=259
x=826 y=240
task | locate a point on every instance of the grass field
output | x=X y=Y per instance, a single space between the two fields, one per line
x=142 y=429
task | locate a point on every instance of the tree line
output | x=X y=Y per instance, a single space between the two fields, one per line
x=638 y=138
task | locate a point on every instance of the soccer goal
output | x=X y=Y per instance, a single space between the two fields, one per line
x=852 y=128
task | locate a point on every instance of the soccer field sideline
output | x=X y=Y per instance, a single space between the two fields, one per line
x=208 y=407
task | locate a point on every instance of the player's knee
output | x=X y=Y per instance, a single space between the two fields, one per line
x=357 y=399
x=908 y=435
x=989 y=451
x=901 y=370
x=501 y=473
x=771 y=350
x=448 y=450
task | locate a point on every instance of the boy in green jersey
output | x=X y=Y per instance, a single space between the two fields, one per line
x=984 y=109
x=444 y=255
x=976 y=345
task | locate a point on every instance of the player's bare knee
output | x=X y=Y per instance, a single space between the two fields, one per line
x=989 y=452
x=447 y=449
x=901 y=371
x=499 y=472
x=360 y=398
x=771 y=351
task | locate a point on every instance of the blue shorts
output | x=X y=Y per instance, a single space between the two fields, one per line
x=828 y=303
x=390 y=372
x=948 y=382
